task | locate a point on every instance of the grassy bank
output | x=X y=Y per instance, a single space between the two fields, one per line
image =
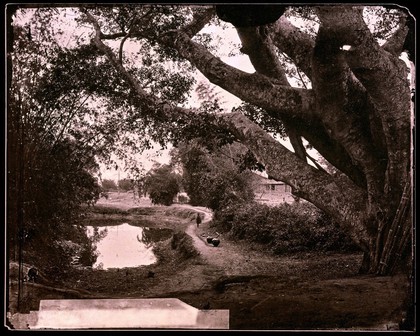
x=105 y=213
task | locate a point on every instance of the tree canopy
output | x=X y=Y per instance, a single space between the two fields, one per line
x=214 y=179
x=162 y=184
x=330 y=75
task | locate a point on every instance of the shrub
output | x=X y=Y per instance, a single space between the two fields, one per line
x=183 y=243
x=162 y=185
x=284 y=228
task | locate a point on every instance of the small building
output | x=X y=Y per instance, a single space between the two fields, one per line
x=182 y=197
x=272 y=192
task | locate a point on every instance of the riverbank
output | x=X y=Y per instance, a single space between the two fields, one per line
x=306 y=291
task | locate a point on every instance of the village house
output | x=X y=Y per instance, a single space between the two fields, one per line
x=271 y=192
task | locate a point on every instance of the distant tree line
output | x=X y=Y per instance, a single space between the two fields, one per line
x=125 y=184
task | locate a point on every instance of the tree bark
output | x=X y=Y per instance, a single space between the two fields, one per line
x=385 y=77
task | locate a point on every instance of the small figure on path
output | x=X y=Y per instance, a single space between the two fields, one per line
x=198 y=220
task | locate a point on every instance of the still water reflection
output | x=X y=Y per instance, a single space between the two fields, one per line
x=126 y=245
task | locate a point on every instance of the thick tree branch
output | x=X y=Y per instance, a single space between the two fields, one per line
x=253 y=88
x=343 y=105
x=296 y=141
x=259 y=47
x=330 y=149
x=263 y=57
x=315 y=133
x=315 y=186
x=385 y=77
x=299 y=46
x=293 y=42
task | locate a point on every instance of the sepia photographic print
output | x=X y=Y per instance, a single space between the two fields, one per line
x=209 y=167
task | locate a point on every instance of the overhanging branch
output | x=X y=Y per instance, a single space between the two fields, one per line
x=343 y=200
x=294 y=43
x=253 y=88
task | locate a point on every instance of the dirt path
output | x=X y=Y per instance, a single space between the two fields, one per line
x=238 y=258
x=211 y=254
x=227 y=256
x=311 y=291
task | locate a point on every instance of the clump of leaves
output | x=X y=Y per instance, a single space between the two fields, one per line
x=283 y=229
x=162 y=185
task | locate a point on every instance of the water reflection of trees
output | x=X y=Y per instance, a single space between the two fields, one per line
x=98 y=234
x=153 y=235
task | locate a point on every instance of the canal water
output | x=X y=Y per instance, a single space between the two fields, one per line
x=126 y=245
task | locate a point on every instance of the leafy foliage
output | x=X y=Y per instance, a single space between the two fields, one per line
x=213 y=179
x=284 y=228
x=162 y=185
x=50 y=174
x=385 y=22
x=203 y=127
x=53 y=205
